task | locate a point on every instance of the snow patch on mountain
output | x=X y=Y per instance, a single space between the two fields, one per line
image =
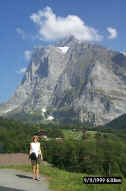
x=50 y=118
x=64 y=49
x=43 y=110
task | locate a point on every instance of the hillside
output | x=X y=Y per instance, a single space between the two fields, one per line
x=118 y=123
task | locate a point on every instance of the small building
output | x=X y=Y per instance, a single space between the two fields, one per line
x=41 y=134
x=59 y=139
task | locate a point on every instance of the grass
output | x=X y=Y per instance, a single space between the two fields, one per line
x=69 y=134
x=60 y=180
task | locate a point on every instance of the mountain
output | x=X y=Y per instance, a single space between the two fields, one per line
x=72 y=81
x=117 y=124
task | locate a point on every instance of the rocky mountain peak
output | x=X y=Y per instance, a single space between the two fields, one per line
x=74 y=81
x=68 y=41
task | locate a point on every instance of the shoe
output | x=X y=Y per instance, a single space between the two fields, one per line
x=38 y=178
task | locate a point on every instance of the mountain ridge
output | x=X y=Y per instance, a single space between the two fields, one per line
x=73 y=80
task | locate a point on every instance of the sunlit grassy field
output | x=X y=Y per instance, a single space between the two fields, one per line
x=69 y=134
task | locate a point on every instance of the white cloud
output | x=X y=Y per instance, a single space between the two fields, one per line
x=52 y=27
x=20 y=32
x=112 y=32
x=27 y=55
x=22 y=70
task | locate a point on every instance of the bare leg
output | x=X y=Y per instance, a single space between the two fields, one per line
x=33 y=171
x=37 y=171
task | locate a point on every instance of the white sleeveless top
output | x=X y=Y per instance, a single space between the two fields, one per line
x=35 y=147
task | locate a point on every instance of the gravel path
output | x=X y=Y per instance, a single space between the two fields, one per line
x=17 y=180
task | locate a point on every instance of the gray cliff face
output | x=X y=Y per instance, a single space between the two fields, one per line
x=86 y=80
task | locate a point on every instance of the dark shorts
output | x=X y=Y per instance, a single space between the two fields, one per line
x=36 y=161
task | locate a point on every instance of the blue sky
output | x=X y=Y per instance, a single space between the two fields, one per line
x=27 y=23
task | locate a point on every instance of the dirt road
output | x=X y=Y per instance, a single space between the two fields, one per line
x=17 y=180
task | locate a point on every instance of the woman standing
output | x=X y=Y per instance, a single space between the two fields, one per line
x=35 y=161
